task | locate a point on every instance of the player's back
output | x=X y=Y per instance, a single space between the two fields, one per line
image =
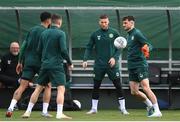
x=32 y=39
x=53 y=44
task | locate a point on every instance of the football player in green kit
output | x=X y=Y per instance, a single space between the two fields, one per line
x=138 y=50
x=28 y=56
x=52 y=50
x=106 y=61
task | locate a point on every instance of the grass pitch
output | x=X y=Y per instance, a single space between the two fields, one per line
x=102 y=115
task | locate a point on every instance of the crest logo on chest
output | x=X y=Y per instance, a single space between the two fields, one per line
x=111 y=35
x=99 y=37
x=9 y=61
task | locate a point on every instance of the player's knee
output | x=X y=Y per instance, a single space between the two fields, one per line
x=95 y=95
x=117 y=83
x=48 y=87
x=97 y=84
x=134 y=92
x=146 y=89
x=22 y=87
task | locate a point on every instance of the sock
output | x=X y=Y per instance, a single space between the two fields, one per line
x=148 y=102
x=59 y=109
x=94 y=104
x=13 y=103
x=30 y=107
x=122 y=103
x=156 y=107
x=45 y=107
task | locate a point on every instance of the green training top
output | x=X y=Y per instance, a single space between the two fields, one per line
x=103 y=41
x=52 y=48
x=28 y=51
x=136 y=41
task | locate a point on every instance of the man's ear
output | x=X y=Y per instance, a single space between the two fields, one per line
x=132 y=22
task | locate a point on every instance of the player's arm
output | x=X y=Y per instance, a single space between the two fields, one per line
x=89 y=48
x=116 y=54
x=40 y=47
x=19 y=66
x=146 y=46
x=22 y=51
x=63 y=47
x=88 y=51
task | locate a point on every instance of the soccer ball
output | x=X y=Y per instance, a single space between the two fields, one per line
x=77 y=103
x=120 y=42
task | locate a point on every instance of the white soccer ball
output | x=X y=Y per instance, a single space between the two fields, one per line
x=77 y=103
x=120 y=42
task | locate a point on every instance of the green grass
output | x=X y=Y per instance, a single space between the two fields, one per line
x=103 y=115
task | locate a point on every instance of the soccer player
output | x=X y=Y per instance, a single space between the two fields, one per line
x=138 y=51
x=52 y=50
x=106 y=61
x=28 y=54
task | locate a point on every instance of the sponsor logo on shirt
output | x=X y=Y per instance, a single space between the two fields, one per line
x=117 y=74
x=111 y=35
x=99 y=37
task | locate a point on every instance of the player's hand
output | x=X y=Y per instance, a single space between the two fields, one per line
x=112 y=62
x=70 y=67
x=84 y=64
x=145 y=50
x=19 y=68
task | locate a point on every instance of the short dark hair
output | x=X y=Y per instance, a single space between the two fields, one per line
x=129 y=18
x=103 y=16
x=56 y=17
x=44 y=16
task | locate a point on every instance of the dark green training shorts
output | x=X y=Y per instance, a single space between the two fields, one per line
x=138 y=74
x=99 y=73
x=55 y=76
x=29 y=72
